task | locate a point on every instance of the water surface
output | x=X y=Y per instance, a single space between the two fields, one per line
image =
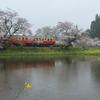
x=51 y=78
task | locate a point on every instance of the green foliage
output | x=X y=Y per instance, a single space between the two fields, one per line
x=62 y=46
x=75 y=48
x=88 y=30
x=30 y=51
x=37 y=49
x=7 y=45
x=95 y=27
x=51 y=46
x=21 y=45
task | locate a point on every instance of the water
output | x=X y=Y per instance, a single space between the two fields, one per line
x=51 y=78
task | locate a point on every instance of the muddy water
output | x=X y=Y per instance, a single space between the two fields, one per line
x=51 y=78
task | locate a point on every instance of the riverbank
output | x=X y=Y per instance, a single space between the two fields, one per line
x=30 y=51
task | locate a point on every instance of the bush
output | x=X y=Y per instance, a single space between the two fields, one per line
x=7 y=45
x=51 y=46
x=21 y=45
x=75 y=48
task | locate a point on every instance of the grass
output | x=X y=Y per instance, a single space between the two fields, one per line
x=31 y=51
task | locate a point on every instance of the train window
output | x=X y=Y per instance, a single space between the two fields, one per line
x=12 y=38
x=33 y=39
x=45 y=38
x=26 y=38
x=51 y=39
x=29 y=38
x=19 y=38
x=36 y=39
x=39 y=39
x=48 y=39
x=22 y=38
x=42 y=39
x=15 y=38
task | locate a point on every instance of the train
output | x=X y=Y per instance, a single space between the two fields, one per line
x=31 y=40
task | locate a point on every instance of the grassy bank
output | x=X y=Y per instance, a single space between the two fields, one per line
x=30 y=51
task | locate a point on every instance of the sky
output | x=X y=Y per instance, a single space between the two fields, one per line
x=42 y=13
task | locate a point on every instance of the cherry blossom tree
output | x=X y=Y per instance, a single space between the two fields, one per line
x=87 y=42
x=12 y=24
x=69 y=33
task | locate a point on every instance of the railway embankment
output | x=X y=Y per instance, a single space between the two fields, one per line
x=31 y=51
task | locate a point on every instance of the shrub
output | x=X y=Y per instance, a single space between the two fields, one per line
x=75 y=48
x=51 y=46
x=7 y=45
x=21 y=45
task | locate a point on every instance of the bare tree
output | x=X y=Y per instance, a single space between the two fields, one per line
x=69 y=33
x=55 y=33
x=12 y=24
x=44 y=31
x=48 y=32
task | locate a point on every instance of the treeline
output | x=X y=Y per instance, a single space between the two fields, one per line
x=65 y=33
x=95 y=27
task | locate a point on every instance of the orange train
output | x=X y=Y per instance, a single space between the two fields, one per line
x=31 y=40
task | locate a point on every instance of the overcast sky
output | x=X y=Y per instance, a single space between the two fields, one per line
x=42 y=13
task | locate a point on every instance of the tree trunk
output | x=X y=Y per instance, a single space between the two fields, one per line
x=34 y=45
x=4 y=45
x=67 y=47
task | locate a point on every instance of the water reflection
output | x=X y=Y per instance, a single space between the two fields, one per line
x=51 y=78
x=23 y=63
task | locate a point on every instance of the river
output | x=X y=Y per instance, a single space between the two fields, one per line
x=50 y=77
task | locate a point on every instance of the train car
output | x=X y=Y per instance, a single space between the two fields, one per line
x=31 y=40
x=16 y=40
x=42 y=41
